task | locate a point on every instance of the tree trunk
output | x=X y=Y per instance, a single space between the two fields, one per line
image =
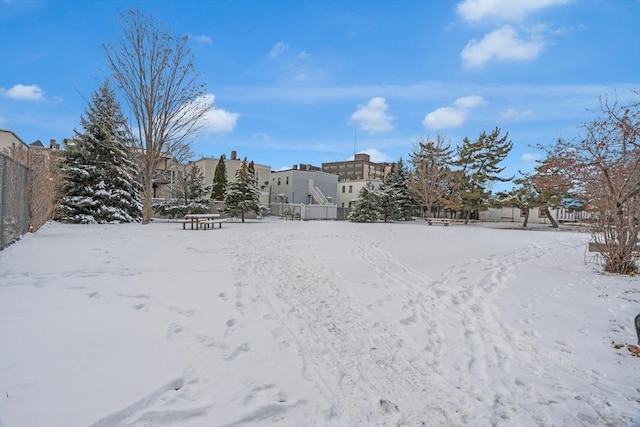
x=526 y=219
x=467 y=217
x=147 y=202
x=553 y=222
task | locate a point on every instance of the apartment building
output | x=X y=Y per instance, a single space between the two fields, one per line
x=361 y=167
x=232 y=163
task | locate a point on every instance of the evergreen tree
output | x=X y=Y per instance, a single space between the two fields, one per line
x=524 y=196
x=367 y=205
x=395 y=197
x=219 y=180
x=243 y=194
x=478 y=162
x=193 y=188
x=100 y=184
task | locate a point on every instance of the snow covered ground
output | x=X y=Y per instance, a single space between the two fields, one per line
x=284 y=323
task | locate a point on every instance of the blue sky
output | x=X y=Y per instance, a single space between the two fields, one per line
x=300 y=81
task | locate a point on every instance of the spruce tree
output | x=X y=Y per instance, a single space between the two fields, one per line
x=100 y=184
x=243 y=194
x=367 y=205
x=395 y=198
x=220 y=181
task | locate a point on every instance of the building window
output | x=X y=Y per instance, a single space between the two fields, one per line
x=350 y=204
x=278 y=180
x=343 y=188
x=287 y=181
x=351 y=189
x=523 y=212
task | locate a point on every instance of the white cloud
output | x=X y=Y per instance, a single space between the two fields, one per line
x=373 y=116
x=444 y=117
x=509 y=11
x=278 y=49
x=448 y=117
x=217 y=120
x=203 y=39
x=512 y=113
x=530 y=157
x=467 y=102
x=501 y=44
x=20 y=91
x=303 y=54
x=261 y=135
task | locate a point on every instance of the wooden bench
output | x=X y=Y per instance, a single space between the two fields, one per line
x=603 y=247
x=443 y=221
x=184 y=223
x=212 y=223
x=599 y=248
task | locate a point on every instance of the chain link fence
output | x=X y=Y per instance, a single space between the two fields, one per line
x=14 y=200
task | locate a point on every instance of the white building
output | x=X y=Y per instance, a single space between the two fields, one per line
x=303 y=185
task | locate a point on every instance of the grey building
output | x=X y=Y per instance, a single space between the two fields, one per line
x=304 y=184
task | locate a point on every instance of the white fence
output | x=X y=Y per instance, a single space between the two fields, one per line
x=298 y=211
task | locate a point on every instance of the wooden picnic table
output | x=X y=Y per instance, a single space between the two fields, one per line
x=197 y=220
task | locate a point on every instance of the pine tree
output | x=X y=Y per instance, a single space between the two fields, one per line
x=524 y=196
x=220 y=181
x=243 y=194
x=100 y=184
x=395 y=198
x=478 y=162
x=367 y=205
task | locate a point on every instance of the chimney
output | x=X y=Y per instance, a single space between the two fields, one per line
x=53 y=144
x=233 y=155
x=295 y=167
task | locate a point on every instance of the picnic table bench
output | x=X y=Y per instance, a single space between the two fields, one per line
x=212 y=223
x=197 y=219
x=443 y=221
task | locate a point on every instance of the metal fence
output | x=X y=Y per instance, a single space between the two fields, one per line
x=14 y=200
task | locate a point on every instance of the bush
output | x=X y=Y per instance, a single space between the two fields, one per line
x=175 y=209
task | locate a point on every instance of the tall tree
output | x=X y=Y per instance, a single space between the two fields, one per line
x=243 y=194
x=100 y=182
x=396 y=200
x=478 y=168
x=220 y=181
x=155 y=74
x=431 y=161
x=367 y=205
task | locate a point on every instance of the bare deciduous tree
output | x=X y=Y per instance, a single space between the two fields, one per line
x=155 y=74
x=431 y=161
x=605 y=166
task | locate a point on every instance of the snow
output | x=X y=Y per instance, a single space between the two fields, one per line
x=282 y=323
